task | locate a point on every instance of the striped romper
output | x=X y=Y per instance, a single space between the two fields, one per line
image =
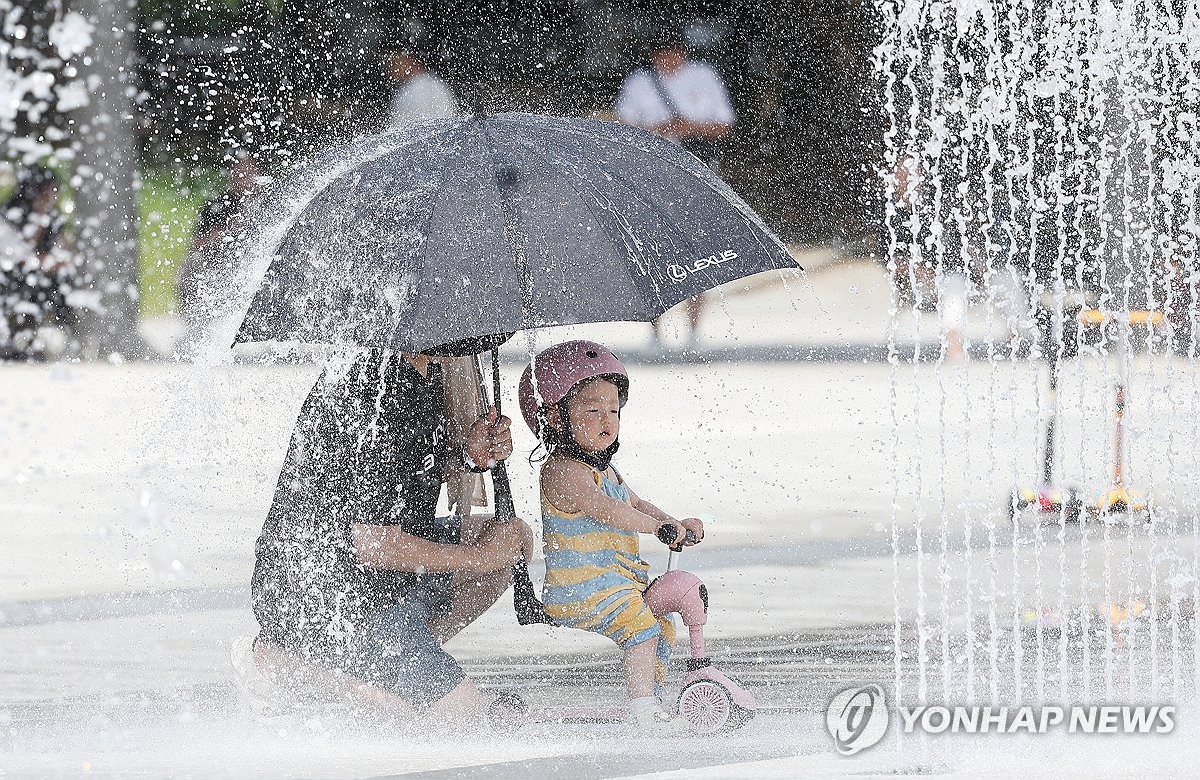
x=595 y=579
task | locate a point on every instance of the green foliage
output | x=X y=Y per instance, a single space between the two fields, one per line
x=167 y=210
x=192 y=14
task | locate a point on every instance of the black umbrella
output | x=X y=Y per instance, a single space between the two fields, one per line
x=487 y=225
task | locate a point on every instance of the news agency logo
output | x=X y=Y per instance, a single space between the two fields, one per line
x=857 y=718
x=1092 y=719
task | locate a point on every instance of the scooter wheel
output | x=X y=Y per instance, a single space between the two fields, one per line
x=707 y=707
x=1072 y=507
x=508 y=710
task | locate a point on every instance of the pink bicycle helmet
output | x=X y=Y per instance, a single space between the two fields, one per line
x=560 y=368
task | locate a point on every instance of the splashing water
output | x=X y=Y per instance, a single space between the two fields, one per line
x=1041 y=175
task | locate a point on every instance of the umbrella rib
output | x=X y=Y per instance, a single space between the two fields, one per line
x=667 y=219
x=696 y=252
x=384 y=145
x=518 y=239
x=419 y=259
x=279 y=200
x=613 y=239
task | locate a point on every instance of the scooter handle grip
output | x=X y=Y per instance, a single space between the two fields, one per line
x=667 y=535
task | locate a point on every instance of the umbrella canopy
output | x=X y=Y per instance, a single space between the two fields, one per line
x=495 y=224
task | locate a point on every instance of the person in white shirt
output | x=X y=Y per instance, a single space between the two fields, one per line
x=420 y=95
x=683 y=100
x=678 y=98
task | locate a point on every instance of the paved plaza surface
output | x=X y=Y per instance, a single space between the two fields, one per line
x=839 y=493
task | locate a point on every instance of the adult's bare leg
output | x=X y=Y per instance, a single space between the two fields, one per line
x=470 y=597
x=308 y=678
x=471 y=594
x=464 y=704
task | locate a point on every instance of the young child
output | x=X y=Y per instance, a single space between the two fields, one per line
x=595 y=577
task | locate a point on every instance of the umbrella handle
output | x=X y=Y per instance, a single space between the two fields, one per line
x=529 y=610
x=525 y=601
x=505 y=508
x=496 y=378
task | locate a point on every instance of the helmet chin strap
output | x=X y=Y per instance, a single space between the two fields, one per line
x=597 y=460
x=569 y=447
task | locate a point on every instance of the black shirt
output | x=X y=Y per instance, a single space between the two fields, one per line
x=370 y=446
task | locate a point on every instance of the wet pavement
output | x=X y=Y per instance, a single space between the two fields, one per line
x=839 y=494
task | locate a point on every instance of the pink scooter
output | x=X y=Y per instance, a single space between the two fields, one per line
x=710 y=701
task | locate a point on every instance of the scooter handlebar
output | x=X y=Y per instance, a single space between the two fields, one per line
x=668 y=535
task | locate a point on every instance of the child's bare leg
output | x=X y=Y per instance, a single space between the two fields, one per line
x=639 y=669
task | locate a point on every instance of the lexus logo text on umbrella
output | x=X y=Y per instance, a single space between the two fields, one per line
x=679 y=273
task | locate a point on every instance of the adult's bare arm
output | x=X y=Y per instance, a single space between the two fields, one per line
x=388 y=547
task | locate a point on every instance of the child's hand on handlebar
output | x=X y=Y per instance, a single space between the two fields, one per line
x=696 y=526
x=676 y=534
x=672 y=534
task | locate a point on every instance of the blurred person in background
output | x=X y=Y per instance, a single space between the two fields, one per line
x=913 y=278
x=419 y=95
x=685 y=101
x=1177 y=299
x=36 y=266
x=221 y=224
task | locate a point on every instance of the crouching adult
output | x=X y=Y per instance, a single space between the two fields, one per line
x=357 y=583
